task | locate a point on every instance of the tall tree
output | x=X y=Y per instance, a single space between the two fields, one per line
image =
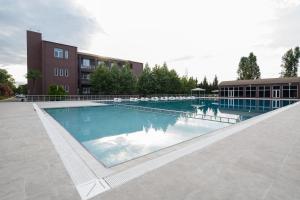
x=101 y=80
x=33 y=75
x=127 y=80
x=215 y=83
x=174 y=84
x=248 y=68
x=7 y=83
x=290 y=61
x=205 y=83
x=115 y=76
x=145 y=82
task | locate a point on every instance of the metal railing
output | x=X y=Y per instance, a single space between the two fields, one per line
x=182 y=113
x=35 y=98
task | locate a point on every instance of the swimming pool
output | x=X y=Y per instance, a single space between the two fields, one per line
x=241 y=109
x=114 y=135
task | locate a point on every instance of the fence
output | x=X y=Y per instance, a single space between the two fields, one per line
x=35 y=98
x=182 y=113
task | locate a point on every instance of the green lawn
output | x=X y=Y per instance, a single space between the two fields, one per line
x=3 y=97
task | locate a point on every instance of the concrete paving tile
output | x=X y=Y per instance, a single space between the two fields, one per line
x=12 y=188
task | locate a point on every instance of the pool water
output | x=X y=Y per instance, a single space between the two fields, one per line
x=114 y=135
x=241 y=109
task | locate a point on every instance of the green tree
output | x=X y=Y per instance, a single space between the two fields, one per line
x=174 y=84
x=21 y=89
x=127 y=80
x=215 y=83
x=115 y=76
x=145 y=82
x=56 y=90
x=290 y=61
x=248 y=68
x=6 y=78
x=33 y=75
x=204 y=83
x=101 y=80
x=7 y=83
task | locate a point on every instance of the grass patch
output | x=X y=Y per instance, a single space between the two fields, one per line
x=3 y=97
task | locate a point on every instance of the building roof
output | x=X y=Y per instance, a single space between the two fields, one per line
x=261 y=81
x=105 y=58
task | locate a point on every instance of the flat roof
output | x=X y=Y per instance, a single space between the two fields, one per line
x=105 y=57
x=46 y=41
x=261 y=81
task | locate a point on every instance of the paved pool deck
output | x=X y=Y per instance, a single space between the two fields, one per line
x=260 y=162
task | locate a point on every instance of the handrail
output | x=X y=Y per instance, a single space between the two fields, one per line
x=34 y=98
x=186 y=114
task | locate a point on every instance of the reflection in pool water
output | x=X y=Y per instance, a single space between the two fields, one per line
x=114 y=134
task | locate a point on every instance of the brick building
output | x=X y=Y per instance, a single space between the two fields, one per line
x=64 y=65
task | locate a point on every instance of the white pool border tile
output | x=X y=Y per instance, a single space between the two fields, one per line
x=86 y=182
x=91 y=178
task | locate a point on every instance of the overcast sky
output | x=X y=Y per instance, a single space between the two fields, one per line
x=194 y=37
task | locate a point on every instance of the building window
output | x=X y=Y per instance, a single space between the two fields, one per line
x=66 y=72
x=264 y=91
x=248 y=91
x=85 y=76
x=241 y=91
x=251 y=92
x=85 y=63
x=66 y=54
x=86 y=90
x=61 y=72
x=290 y=91
x=58 y=53
x=222 y=92
x=56 y=71
x=100 y=62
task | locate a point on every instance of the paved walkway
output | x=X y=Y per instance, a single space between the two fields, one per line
x=261 y=162
x=30 y=168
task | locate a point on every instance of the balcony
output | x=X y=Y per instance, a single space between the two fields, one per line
x=85 y=81
x=87 y=68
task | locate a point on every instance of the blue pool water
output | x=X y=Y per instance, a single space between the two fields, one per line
x=114 y=135
x=241 y=109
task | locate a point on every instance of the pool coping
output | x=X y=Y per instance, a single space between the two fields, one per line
x=94 y=183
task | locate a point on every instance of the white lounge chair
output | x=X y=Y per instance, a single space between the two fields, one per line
x=154 y=99
x=117 y=100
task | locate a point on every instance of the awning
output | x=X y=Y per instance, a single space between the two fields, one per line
x=198 y=89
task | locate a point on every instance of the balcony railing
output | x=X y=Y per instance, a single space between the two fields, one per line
x=85 y=81
x=90 y=67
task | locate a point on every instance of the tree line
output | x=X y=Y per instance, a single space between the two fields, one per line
x=249 y=69
x=156 y=80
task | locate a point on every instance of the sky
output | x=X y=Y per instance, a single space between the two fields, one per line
x=195 y=37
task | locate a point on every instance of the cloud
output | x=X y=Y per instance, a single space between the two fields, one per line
x=183 y=58
x=286 y=28
x=58 y=20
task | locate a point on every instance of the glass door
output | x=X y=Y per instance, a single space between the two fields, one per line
x=276 y=92
x=230 y=93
